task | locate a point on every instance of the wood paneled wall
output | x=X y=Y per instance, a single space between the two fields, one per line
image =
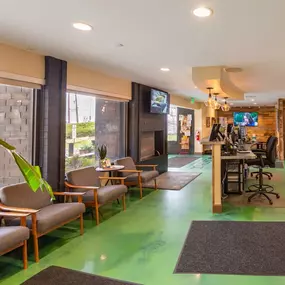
x=281 y=128
x=267 y=124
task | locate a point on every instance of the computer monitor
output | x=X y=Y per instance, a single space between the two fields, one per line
x=229 y=128
x=241 y=132
x=215 y=132
x=234 y=137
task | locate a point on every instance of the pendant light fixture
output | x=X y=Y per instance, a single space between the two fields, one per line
x=210 y=102
x=217 y=105
x=226 y=107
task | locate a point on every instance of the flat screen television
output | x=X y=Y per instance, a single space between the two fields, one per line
x=248 y=119
x=159 y=102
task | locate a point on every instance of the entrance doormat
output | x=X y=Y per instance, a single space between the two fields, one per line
x=54 y=275
x=171 y=180
x=226 y=247
x=180 y=161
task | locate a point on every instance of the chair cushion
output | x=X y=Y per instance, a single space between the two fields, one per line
x=87 y=176
x=256 y=162
x=53 y=215
x=21 y=195
x=128 y=163
x=145 y=175
x=105 y=194
x=109 y=193
x=12 y=236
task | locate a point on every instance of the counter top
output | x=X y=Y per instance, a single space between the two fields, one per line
x=239 y=155
x=206 y=141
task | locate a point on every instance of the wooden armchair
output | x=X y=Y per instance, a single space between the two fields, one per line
x=45 y=216
x=88 y=181
x=135 y=176
x=14 y=237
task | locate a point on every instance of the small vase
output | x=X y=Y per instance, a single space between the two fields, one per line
x=103 y=163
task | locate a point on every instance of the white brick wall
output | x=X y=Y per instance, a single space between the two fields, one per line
x=15 y=128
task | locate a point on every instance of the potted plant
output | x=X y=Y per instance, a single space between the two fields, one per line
x=102 y=152
x=32 y=174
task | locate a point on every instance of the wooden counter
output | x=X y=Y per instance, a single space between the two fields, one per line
x=216 y=174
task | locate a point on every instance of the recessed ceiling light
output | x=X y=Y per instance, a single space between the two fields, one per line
x=82 y=26
x=165 y=69
x=202 y=12
x=252 y=100
x=255 y=103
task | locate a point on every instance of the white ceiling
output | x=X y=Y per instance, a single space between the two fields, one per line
x=158 y=33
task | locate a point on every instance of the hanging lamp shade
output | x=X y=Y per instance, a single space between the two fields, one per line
x=210 y=102
x=217 y=105
x=226 y=107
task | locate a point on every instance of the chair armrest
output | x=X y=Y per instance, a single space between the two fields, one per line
x=77 y=194
x=129 y=171
x=14 y=214
x=22 y=216
x=259 y=145
x=17 y=209
x=80 y=187
x=148 y=165
x=69 y=193
x=112 y=178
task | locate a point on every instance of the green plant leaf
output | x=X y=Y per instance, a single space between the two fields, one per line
x=32 y=174
x=6 y=145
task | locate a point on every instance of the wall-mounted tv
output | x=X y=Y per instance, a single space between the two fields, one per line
x=159 y=102
x=248 y=119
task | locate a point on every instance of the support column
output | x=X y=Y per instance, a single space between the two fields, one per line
x=216 y=178
x=52 y=146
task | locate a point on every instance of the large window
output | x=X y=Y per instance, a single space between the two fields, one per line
x=91 y=122
x=16 y=128
x=172 y=124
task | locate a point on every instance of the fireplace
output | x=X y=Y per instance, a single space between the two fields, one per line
x=151 y=144
x=147 y=145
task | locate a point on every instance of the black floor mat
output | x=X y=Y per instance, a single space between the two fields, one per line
x=222 y=247
x=54 y=275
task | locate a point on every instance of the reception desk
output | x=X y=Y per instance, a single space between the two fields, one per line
x=217 y=169
x=216 y=174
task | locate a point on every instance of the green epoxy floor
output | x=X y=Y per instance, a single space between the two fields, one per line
x=143 y=243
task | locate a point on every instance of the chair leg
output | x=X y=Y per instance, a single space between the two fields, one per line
x=81 y=224
x=25 y=254
x=155 y=184
x=270 y=201
x=141 y=191
x=35 y=237
x=97 y=215
x=36 y=248
x=124 y=201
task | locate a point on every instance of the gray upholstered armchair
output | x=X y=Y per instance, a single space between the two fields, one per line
x=88 y=181
x=14 y=237
x=46 y=216
x=134 y=176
